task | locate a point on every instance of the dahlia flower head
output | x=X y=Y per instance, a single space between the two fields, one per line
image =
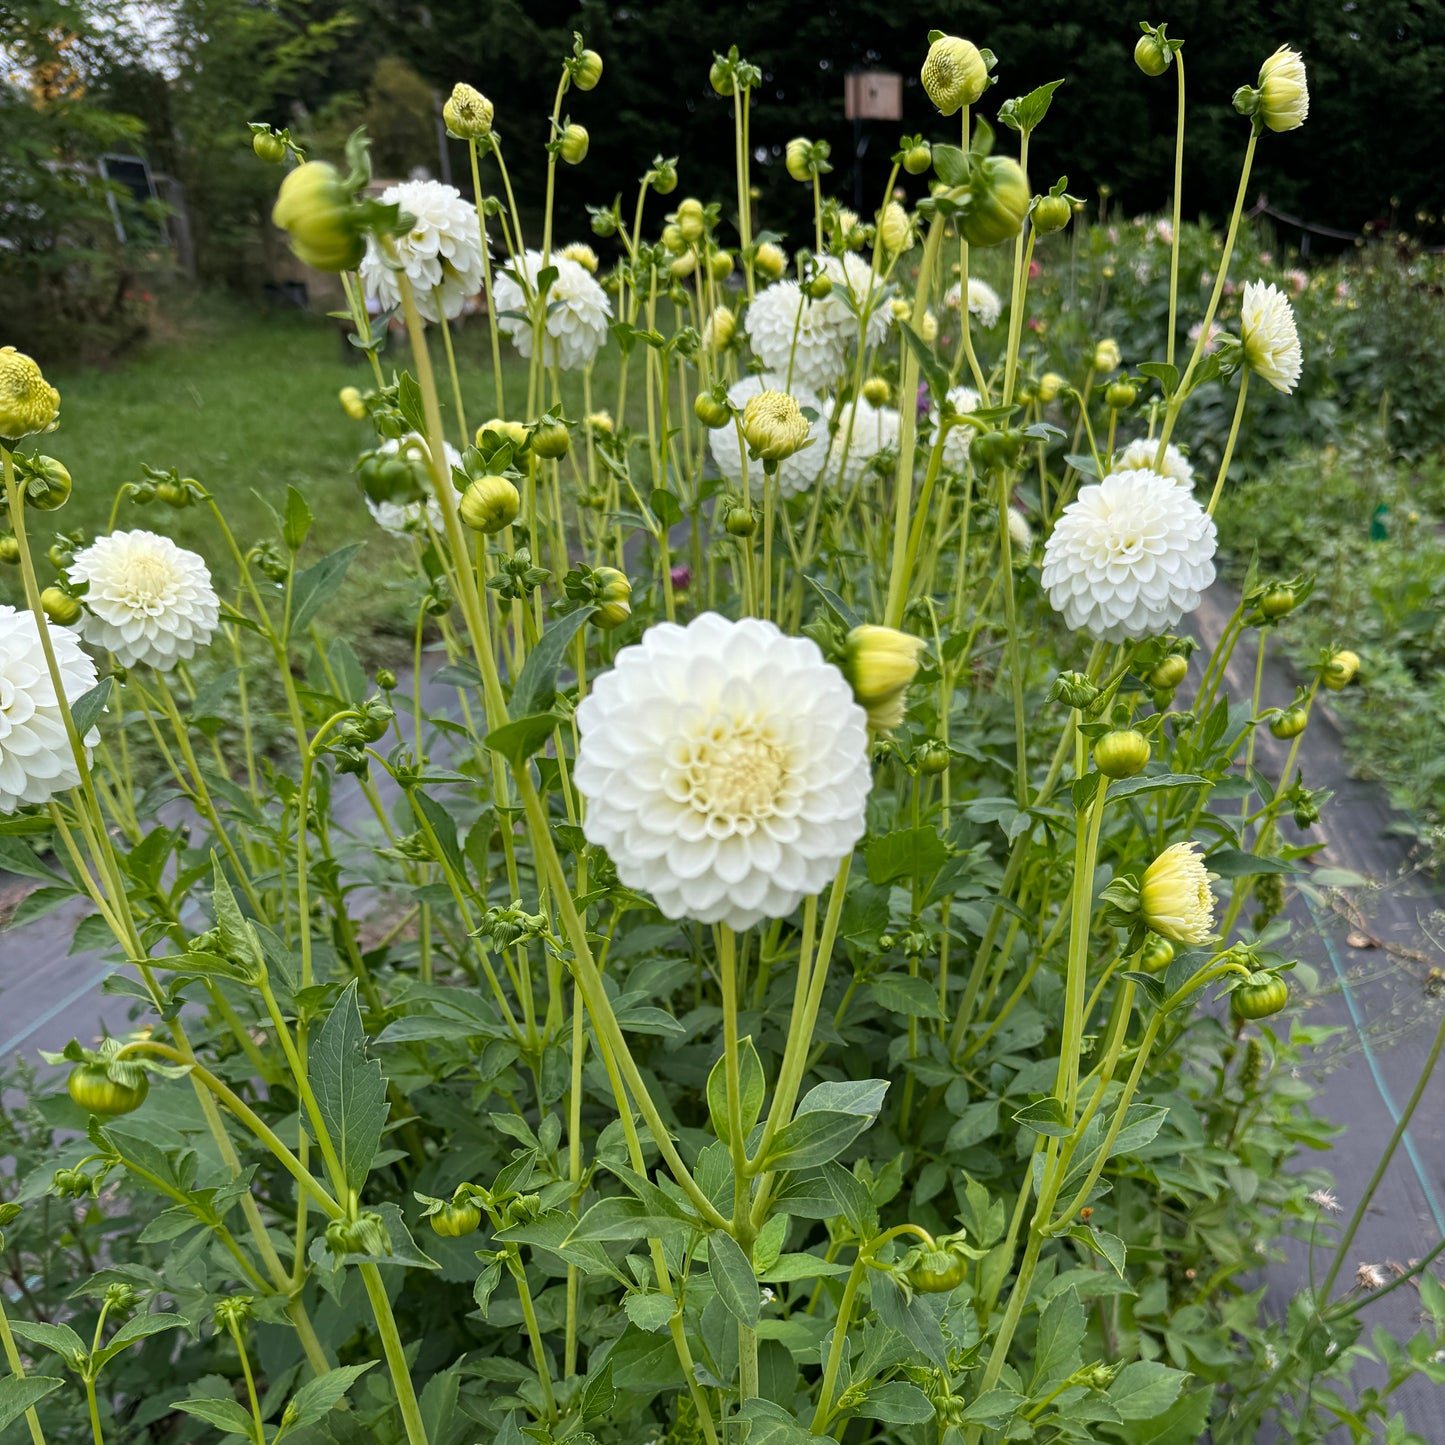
x=817 y=355
x=1139 y=456
x=1175 y=896
x=148 y=601
x=441 y=254
x=1270 y=337
x=725 y=767
x=1130 y=555
x=851 y=273
x=35 y=758
x=860 y=432
x=578 y=311
x=956 y=443
x=795 y=474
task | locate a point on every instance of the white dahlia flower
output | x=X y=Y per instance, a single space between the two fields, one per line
x=1175 y=897
x=725 y=767
x=578 y=312
x=795 y=474
x=1129 y=557
x=821 y=346
x=854 y=275
x=863 y=430
x=407 y=519
x=1139 y=456
x=441 y=254
x=148 y=601
x=956 y=443
x=1020 y=533
x=983 y=301
x=35 y=758
x=1284 y=92
x=1271 y=339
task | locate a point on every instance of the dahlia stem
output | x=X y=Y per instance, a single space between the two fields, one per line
x=1178 y=198
x=1229 y=443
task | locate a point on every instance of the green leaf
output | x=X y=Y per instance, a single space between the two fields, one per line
x=650 y=1312
x=1024 y=113
x=896 y=1403
x=1044 y=1116
x=1182 y=1423
x=854 y=1201
x=139 y=1328
x=850 y=1096
x=901 y=993
x=298 y=520
x=537 y=685
x=665 y=507
x=813 y=1139
x=751 y=1088
x=733 y=1278
x=951 y=165
x=517 y=741
x=836 y=605
x=993 y=1407
x=934 y=371
x=1132 y=787
x=350 y=1090
x=1061 y=1332
x=86 y=710
x=19 y=1393
x=1108 y=1246
x=312 y=588
x=1167 y=376
x=409 y=402
x=1144 y=1389
x=19 y=858
x=317 y=1397
x=444 y=826
x=620 y=1217
x=60 y=1338
x=225 y=1415
x=911 y=1317
x=1235 y=863
x=243 y=947
x=914 y=853
x=768 y=1423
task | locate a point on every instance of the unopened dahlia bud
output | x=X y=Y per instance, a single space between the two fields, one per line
x=583 y=255
x=879 y=663
x=351 y=403
x=719 y=329
x=1340 y=672
x=895 y=229
x=48 y=485
x=819 y=287
x=1107 y=356
x=672 y=238
x=1052 y=214
x=315 y=207
x=680 y=268
x=918 y=158
x=1120 y=395
x=954 y=73
x=512 y=431
x=1169 y=672
x=572 y=144
x=691 y=219
x=9 y=548
x=587 y=70
x=1151 y=54
x=614 y=593
x=1121 y=753
x=270 y=148
x=933 y=758
x=1050 y=385
x=798 y=158
x=59 y=606
x=720 y=77
x=774 y=426
x=468 y=113
x=551 y=439
x=1020 y=533
x=720 y=265
x=1290 y=723
x=712 y=410
x=998 y=201
x=1074 y=689
x=386 y=679
x=770 y=261
x=28 y=403
x=1284 y=92
x=663 y=176
x=877 y=392
x=489 y=504
x=601 y=423
x=1156 y=955
x=741 y=520
x=1175 y=897
x=1278 y=601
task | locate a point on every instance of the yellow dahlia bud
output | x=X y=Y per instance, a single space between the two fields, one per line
x=879 y=663
x=672 y=238
x=1122 y=753
x=681 y=267
x=513 y=431
x=316 y=209
x=9 y=548
x=351 y=403
x=587 y=70
x=614 y=593
x=551 y=439
x=583 y=255
x=1050 y=385
x=691 y=219
x=719 y=329
x=28 y=403
x=876 y=391
x=1284 y=92
x=489 y=504
x=1175 y=897
x=775 y=426
x=720 y=265
x=770 y=261
x=895 y=229
x=954 y=73
x=798 y=158
x=928 y=327
x=1107 y=356
x=902 y=310
x=59 y=606
x=572 y=144
x=600 y=421
x=468 y=113
x=850 y=229
x=1341 y=670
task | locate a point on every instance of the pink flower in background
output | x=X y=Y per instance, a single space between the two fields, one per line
x=1165 y=232
x=1211 y=342
x=681 y=578
x=1298 y=281
x=1266 y=258
x=1035 y=270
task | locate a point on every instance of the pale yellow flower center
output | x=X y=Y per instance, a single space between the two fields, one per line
x=733 y=772
x=147 y=584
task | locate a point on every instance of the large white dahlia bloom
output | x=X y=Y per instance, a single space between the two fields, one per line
x=725 y=767
x=441 y=254
x=854 y=275
x=148 y=600
x=863 y=430
x=1271 y=338
x=956 y=443
x=1129 y=557
x=983 y=301
x=795 y=473
x=1139 y=456
x=578 y=311
x=35 y=758
x=771 y=321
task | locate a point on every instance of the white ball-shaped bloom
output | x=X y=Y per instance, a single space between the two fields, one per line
x=854 y=275
x=862 y=430
x=147 y=601
x=35 y=758
x=1271 y=338
x=795 y=473
x=441 y=254
x=1129 y=557
x=983 y=301
x=578 y=311
x=725 y=767
x=1139 y=456
x=956 y=443
x=812 y=342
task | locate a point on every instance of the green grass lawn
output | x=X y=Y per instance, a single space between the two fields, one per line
x=244 y=400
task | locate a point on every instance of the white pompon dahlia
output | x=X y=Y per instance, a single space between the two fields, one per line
x=1139 y=456
x=578 y=311
x=956 y=443
x=35 y=758
x=441 y=254
x=863 y=430
x=1271 y=338
x=983 y=301
x=772 y=322
x=1129 y=557
x=855 y=275
x=725 y=767
x=795 y=473
x=147 y=601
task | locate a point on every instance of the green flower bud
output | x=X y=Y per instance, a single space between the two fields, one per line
x=664 y=178
x=270 y=148
x=1122 y=753
x=798 y=159
x=1260 y=1000
x=59 y=606
x=691 y=219
x=10 y=548
x=819 y=287
x=1151 y=55
x=917 y=159
x=47 y=485
x=454 y=1220
x=710 y=410
x=604 y=224
x=1277 y=602
x=998 y=201
x=587 y=70
x=1120 y=395
x=489 y=504
x=774 y=426
x=572 y=144
x=954 y=73
x=1074 y=689
x=1107 y=356
x=720 y=265
x=468 y=113
x=1169 y=672
x=1050 y=385
x=720 y=77
x=877 y=392
x=1156 y=955
x=614 y=593
x=551 y=439
x=1290 y=723
x=1052 y=214
x=770 y=261
x=933 y=758
x=1340 y=672
x=385 y=679
x=316 y=208
x=741 y=520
